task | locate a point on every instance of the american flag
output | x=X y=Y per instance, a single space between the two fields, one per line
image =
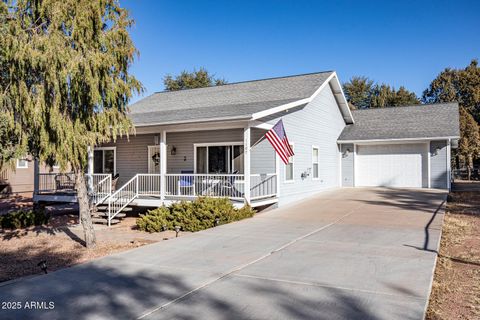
x=278 y=138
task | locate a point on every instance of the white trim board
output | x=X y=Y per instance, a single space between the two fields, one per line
x=343 y=105
x=400 y=140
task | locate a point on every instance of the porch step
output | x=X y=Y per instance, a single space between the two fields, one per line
x=104 y=220
x=105 y=208
x=120 y=216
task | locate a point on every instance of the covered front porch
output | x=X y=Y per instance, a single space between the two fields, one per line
x=160 y=165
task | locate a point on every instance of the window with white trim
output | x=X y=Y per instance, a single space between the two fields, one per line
x=289 y=168
x=104 y=160
x=22 y=164
x=219 y=158
x=315 y=154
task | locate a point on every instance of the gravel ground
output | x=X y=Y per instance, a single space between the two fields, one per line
x=60 y=243
x=456 y=287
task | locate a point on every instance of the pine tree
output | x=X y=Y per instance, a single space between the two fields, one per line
x=67 y=83
x=191 y=80
x=363 y=93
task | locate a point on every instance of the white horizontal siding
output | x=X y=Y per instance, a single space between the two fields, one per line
x=319 y=123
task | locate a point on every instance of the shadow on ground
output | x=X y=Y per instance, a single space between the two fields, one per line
x=405 y=199
x=128 y=291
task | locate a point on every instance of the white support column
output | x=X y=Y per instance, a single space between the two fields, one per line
x=429 y=159
x=354 y=165
x=36 y=178
x=90 y=168
x=246 y=162
x=277 y=171
x=163 y=163
x=449 y=165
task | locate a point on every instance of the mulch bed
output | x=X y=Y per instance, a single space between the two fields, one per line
x=456 y=287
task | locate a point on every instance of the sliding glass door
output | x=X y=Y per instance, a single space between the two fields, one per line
x=219 y=159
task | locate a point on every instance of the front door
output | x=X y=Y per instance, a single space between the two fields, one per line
x=154 y=159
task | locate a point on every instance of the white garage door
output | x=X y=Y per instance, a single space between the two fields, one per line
x=394 y=165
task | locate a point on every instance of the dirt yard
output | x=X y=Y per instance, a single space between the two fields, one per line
x=60 y=244
x=456 y=287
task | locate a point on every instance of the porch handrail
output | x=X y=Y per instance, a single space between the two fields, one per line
x=263 y=185
x=102 y=187
x=122 y=197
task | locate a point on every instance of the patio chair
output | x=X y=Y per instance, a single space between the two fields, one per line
x=227 y=187
x=64 y=182
x=186 y=182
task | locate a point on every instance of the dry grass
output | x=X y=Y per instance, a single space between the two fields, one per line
x=21 y=250
x=456 y=287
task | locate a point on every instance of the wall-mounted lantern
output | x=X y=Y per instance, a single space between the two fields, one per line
x=437 y=151
x=346 y=153
x=173 y=151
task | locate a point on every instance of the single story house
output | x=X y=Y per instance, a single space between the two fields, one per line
x=210 y=141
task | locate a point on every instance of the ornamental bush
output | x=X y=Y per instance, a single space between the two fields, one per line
x=23 y=218
x=196 y=215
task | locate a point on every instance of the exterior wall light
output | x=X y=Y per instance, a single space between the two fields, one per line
x=437 y=151
x=173 y=151
x=177 y=230
x=346 y=153
x=43 y=265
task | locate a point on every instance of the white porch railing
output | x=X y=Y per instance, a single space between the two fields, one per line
x=177 y=186
x=213 y=185
x=122 y=197
x=149 y=184
x=101 y=185
x=263 y=186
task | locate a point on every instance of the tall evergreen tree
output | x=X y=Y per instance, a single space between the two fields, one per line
x=191 y=80
x=68 y=82
x=364 y=93
x=358 y=92
x=462 y=86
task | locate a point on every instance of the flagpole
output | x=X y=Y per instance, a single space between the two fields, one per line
x=258 y=141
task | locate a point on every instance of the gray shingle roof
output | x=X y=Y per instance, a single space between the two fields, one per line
x=232 y=101
x=421 y=121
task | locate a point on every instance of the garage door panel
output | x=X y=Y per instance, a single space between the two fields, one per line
x=396 y=165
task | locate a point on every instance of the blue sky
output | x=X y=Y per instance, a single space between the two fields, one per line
x=397 y=42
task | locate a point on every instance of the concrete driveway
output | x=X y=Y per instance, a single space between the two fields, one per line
x=345 y=254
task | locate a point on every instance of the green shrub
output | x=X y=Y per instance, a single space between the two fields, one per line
x=23 y=218
x=155 y=220
x=193 y=215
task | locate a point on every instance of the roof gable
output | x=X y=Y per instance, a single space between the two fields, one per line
x=231 y=101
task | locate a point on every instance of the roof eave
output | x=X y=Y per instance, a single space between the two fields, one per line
x=337 y=90
x=397 y=139
x=236 y=118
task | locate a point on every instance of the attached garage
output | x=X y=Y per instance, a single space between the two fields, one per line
x=392 y=165
x=401 y=147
